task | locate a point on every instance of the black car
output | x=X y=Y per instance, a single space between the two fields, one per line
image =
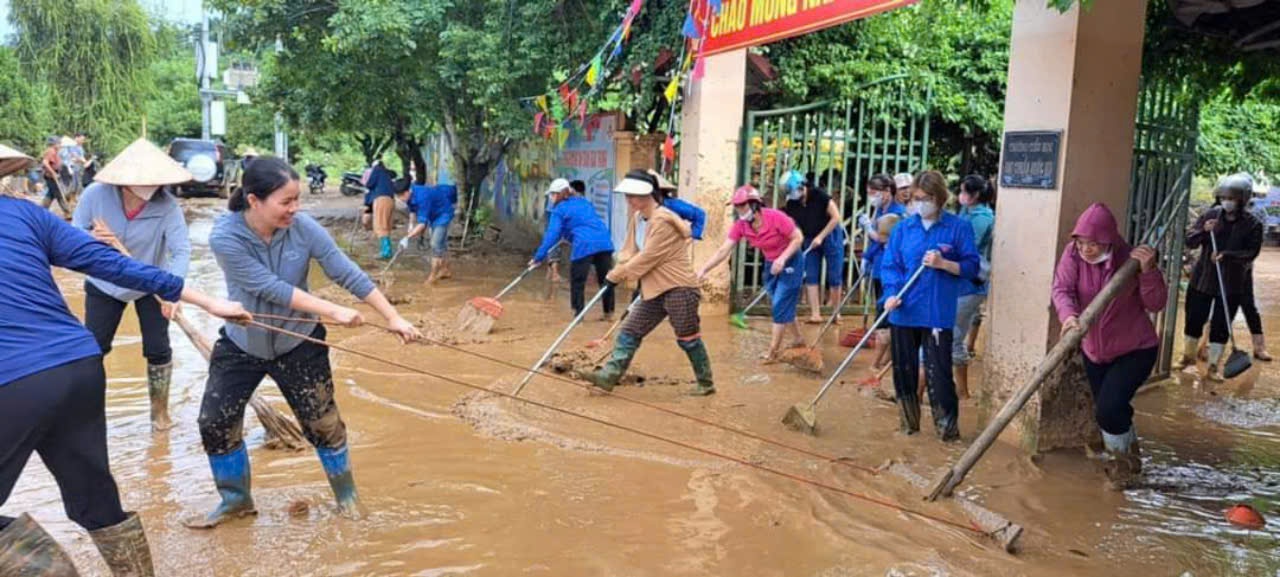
x=208 y=162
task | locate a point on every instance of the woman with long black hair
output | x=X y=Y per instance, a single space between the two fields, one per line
x=265 y=247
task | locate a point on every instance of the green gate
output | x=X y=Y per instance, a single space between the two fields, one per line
x=841 y=143
x=1164 y=159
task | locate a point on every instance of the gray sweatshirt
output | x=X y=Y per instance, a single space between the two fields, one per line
x=262 y=277
x=159 y=231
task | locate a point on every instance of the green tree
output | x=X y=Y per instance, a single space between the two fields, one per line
x=173 y=103
x=1238 y=135
x=94 y=57
x=23 y=106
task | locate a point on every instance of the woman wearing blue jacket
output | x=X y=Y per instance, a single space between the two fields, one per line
x=380 y=204
x=687 y=211
x=882 y=194
x=573 y=219
x=431 y=207
x=264 y=247
x=976 y=196
x=924 y=318
x=53 y=388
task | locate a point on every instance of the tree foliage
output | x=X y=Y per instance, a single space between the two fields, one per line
x=1239 y=136
x=93 y=57
x=23 y=105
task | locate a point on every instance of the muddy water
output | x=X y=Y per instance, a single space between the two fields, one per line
x=465 y=483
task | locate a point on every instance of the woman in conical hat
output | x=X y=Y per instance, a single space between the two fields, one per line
x=52 y=385
x=127 y=203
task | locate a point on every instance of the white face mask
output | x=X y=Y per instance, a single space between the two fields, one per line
x=144 y=192
x=1104 y=257
x=746 y=216
x=1229 y=205
x=794 y=194
x=875 y=201
x=926 y=209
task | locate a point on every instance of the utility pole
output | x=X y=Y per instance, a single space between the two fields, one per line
x=282 y=137
x=202 y=67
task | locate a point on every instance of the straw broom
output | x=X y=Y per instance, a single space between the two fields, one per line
x=282 y=432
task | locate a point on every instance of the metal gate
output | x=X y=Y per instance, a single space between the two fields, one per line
x=1164 y=159
x=841 y=143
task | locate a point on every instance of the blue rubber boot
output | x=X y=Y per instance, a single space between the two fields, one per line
x=337 y=467
x=385 y=252
x=231 y=476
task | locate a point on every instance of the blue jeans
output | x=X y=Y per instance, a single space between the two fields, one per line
x=832 y=253
x=784 y=290
x=967 y=309
x=440 y=240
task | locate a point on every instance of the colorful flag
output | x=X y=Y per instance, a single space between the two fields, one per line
x=715 y=6
x=669 y=148
x=537 y=123
x=635 y=7
x=593 y=73
x=673 y=89
x=691 y=27
x=542 y=103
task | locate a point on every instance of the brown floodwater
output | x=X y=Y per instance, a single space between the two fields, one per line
x=465 y=483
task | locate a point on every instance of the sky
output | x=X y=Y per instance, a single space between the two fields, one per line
x=187 y=11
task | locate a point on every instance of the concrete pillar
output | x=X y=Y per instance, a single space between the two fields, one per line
x=710 y=130
x=1076 y=72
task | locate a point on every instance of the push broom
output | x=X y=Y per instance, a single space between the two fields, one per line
x=480 y=313
x=281 y=430
x=809 y=358
x=1238 y=361
x=802 y=416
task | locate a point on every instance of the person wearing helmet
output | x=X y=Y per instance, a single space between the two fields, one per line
x=886 y=212
x=941 y=246
x=128 y=205
x=691 y=213
x=775 y=235
x=668 y=287
x=1121 y=345
x=818 y=217
x=1239 y=240
x=574 y=220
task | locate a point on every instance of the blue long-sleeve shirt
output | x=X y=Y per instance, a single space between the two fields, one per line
x=433 y=205
x=156 y=236
x=689 y=212
x=875 y=250
x=931 y=302
x=983 y=221
x=37 y=330
x=380 y=184
x=261 y=276
x=575 y=221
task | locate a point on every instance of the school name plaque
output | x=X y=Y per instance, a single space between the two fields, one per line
x=1030 y=159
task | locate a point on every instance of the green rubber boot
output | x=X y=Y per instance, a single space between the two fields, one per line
x=26 y=550
x=124 y=547
x=624 y=349
x=701 y=361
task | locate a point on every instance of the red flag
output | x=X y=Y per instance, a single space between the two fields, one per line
x=572 y=99
x=635 y=7
x=669 y=148
x=582 y=114
x=537 y=123
x=564 y=92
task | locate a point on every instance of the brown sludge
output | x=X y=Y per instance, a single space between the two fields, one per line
x=462 y=483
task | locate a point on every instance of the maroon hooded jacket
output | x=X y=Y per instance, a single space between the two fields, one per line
x=1125 y=322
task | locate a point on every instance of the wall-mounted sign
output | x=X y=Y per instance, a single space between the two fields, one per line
x=1030 y=159
x=743 y=23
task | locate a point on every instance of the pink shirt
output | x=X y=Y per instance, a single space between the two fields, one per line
x=773 y=237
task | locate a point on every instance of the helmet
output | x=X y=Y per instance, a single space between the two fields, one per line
x=790 y=180
x=745 y=194
x=1239 y=185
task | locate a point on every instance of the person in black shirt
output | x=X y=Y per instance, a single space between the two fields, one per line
x=819 y=220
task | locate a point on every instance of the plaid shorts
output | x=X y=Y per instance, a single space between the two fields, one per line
x=680 y=304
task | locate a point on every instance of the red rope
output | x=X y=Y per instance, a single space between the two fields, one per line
x=633 y=400
x=805 y=480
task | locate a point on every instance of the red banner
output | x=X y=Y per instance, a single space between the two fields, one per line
x=743 y=23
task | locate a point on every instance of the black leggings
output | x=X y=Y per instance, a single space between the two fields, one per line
x=1197 y=313
x=303 y=375
x=943 y=402
x=60 y=414
x=578 y=269
x=1114 y=384
x=102 y=317
x=1249 y=306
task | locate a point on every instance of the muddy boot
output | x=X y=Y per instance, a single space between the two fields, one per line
x=231 y=476
x=701 y=361
x=158 y=379
x=1260 y=348
x=1123 y=463
x=384 y=252
x=124 y=547
x=624 y=349
x=26 y=550
x=1215 y=356
x=337 y=467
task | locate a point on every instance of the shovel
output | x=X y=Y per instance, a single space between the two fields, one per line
x=802 y=416
x=560 y=339
x=1238 y=361
x=810 y=359
x=479 y=314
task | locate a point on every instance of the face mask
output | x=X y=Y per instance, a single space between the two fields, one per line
x=144 y=192
x=1104 y=257
x=875 y=201
x=794 y=194
x=748 y=216
x=1229 y=205
x=926 y=209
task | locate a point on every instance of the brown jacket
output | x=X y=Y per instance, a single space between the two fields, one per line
x=664 y=263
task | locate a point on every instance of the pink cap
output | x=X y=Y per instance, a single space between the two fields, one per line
x=745 y=194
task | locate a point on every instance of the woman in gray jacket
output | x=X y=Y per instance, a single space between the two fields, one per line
x=148 y=222
x=265 y=248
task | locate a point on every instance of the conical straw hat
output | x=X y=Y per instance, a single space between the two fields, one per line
x=143 y=164
x=12 y=161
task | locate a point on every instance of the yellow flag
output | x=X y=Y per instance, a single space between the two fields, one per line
x=673 y=89
x=593 y=72
x=542 y=102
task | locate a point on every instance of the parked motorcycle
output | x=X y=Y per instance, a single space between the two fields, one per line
x=352 y=184
x=316 y=177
